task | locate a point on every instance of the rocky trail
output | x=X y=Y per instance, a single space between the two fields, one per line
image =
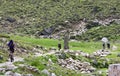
x=8 y=66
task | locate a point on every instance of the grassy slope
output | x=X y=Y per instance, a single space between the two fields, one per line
x=38 y=14
x=112 y=32
x=41 y=61
x=48 y=43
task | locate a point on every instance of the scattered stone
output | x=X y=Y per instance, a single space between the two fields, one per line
x=9 y=73
x=2 y=70
x=53 y=74
x=52 y=48
x=32 y=68
x=101 y=53
x=28 y=75
x=72 y=64
x=50 y=62
x=17 y=74
x=45 y=71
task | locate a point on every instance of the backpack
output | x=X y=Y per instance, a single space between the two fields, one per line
x=10 y=44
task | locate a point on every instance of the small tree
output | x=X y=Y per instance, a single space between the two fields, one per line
x=66 y=40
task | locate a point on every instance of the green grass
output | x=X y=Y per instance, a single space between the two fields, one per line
x=48 y=43
x=39 y=14
x=42 y=62
x=4 y=55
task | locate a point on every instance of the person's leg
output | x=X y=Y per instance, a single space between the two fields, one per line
x=11 y=56
x=108 y=45
x=103 y=46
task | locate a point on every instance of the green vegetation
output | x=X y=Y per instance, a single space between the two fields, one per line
x=35 y=15
x=3 y=56
x=42 y=61
x=112 y=32
x=48 y=43
x=32 y=16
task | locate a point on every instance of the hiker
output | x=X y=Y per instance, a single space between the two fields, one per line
x=105 y=43
x=11 y=49
x=59 y=46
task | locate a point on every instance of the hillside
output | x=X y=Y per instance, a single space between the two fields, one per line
x=29 y=17
x=35 y=57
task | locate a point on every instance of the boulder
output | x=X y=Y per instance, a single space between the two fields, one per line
x=118 y=55
x=9 y=73
x=10 y=19
x=17 y=74
x=53 y=74
x=2 y=70
x=47 y=31
x=45 y=71
x=114 y=70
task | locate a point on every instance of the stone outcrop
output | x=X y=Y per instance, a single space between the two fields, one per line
x=83 y=67
x=114 y=70
x=10 y=73
x=101 y=53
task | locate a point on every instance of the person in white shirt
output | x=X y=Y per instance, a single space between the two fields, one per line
x=105 y=43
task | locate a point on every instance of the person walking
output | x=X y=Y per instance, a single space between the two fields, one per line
x=106 y=43
x=11 y=50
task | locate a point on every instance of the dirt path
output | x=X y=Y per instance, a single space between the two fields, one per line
x=16 y=59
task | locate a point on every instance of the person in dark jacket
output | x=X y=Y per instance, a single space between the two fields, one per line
x=11 y=49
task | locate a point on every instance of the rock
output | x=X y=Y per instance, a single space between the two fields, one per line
x=117 y=21
x=53 y=74
x=76 y=65
x=114 y=47
x=2 y=70
x=99 y=72
x=83 y=72
x=28 y=75
x=62 y=56
x=47 y=31
x=118 y=55
x=50 y=62
x=1 y=57
x=92 y=69
x=10 y=19
x=11 y=67
x=9 y=73
x=114 y=70
x=45 y=71
x=17 y=74
x=32 y=68
x=52 y=48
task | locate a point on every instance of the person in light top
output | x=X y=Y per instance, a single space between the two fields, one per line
x=105 y=43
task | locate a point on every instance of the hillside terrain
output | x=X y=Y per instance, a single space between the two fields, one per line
x=31 y=17
x=36 y=57
x=38 y=26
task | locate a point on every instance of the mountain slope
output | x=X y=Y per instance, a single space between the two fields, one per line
x=28 y=16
